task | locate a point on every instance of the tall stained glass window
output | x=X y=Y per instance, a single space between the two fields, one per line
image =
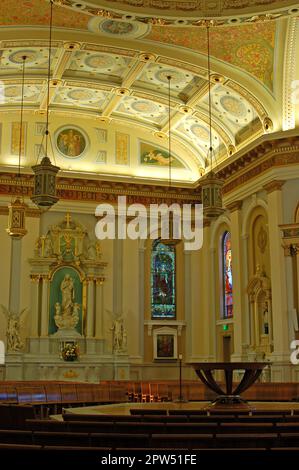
x=163 y=280
x=227 y=276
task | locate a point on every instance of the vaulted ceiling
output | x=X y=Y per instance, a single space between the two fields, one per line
x=109 y=67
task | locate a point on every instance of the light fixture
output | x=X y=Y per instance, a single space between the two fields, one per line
x=174 y=227
x=211 y=185
x=17 y=208
x=44 y=193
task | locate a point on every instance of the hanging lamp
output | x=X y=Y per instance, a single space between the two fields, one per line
x=44 y=193
x=174 y=227
x=211 y=185
x=17 y=208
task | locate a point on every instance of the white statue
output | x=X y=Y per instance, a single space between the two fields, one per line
x=67 y=313
x=68 y=295
x=119 y=334
x=13 y=330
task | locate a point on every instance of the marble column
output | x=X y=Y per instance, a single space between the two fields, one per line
x=90 y=308
x=188 y=303
x=141 y=300
x=278 y=273
x=246 y=320
x=45 y=307
x=237 y=271
x=99 y=326
x=15 y=276
x=34 y=300
x=206 y=288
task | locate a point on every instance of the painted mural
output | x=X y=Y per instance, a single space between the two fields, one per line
x=122 y=148
x=155 y=156
x=71 y=142
x=250 y=47
x=15 y=138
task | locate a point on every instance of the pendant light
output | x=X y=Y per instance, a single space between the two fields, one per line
x=211 y=185
x=44 y=193
x=17 y=208
x=174 y=228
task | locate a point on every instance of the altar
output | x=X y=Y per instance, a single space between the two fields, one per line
x=71 y=337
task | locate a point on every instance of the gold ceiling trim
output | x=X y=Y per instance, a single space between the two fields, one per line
x=187 y=12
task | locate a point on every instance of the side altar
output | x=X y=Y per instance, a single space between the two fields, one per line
x=69 y=339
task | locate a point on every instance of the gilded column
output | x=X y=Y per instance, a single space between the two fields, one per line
x=278 y=273
x=90 y=308
x=237 y=270
x=34 y=326
x=45 y=303
x=99 y=326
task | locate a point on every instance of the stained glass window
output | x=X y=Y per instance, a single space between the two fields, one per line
x=163 y=280
x=227 y=276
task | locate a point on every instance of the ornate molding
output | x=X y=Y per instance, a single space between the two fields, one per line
x=290 y=236
x=180 y=12
x=235 y=206
x=275 y=185
x=76 y=189
x=289 y=115
x=259 y=160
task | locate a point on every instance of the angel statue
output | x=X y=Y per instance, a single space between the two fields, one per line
x=13 y=329
x=119 y=333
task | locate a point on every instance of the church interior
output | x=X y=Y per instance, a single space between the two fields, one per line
x=125 y=106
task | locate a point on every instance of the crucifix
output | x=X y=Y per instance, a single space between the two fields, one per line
x=68 y=219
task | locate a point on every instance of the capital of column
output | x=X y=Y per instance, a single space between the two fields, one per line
x=100 y=281
x=275 y=185
x=235 y=206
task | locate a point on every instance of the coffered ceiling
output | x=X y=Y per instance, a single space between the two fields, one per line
x=111 y=74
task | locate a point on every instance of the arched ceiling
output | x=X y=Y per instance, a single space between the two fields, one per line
x=109 y=83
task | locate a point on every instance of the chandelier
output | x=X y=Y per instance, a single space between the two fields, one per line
x=211 y=185
x=17 y=208
x=44 y=193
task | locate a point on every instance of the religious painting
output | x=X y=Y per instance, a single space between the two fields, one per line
x=102 y=135
x=122 y=148
x=155 y=156
x=101 y=156
x=15 y=138
x=163 y=276
x=71 y=142
x=165 y=343
x=227 y=276
x=165 y=346
x=65 y=303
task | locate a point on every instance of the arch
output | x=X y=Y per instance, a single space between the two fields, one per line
x=223 y=220
x=255 y=202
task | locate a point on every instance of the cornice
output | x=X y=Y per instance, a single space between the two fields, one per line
x=275 y=185
x=264 y=157
x=186 y=12
x=97 y=191
x=235 y=206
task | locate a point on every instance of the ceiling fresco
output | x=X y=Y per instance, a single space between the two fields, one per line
x=115 y=72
